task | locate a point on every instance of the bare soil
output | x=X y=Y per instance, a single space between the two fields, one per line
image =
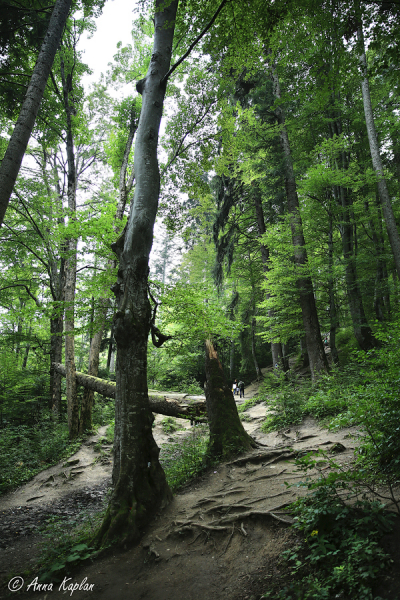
x=221 y=537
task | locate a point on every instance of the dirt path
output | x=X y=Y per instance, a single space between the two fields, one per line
x=216 y=536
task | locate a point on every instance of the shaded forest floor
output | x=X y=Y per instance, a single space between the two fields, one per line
x=221 y=538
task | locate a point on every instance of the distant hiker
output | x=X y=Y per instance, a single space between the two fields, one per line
x=235 y=388
x=241 y=389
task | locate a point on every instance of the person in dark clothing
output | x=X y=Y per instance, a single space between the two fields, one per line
x=241 y=389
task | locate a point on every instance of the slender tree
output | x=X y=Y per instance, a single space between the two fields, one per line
x=315 y=348
x=391 y=227
x=11 y=162
x=140 y=484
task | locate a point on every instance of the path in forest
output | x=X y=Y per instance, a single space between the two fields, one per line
x=220 y=531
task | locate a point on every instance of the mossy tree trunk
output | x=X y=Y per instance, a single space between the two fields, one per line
x=140 y=484
x=227 y=434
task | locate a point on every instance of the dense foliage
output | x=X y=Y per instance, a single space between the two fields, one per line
x=277 y=236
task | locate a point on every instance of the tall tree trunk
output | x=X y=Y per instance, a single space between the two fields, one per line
x=305 y=360
x=342 y=195
x=276 y=347
x=381 y=295
x=57 y=287
x=362 y=330
x=12 y=160
x=332 y=304
x=125 y=186
x=110 y=353
x=392 y=231
x=227 y=435
x=140 y=484
x=315 y=348
x=85 y=422
x=232 y=360
x=253 y=349
x=56 y=342
x=70 y=266
x=27 y=348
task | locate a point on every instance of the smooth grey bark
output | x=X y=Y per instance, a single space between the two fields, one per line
x=112 y=362
x=391 y=227
x=140 y=484
x=70 y=264
x=253 y=326
x=12 y=160
x=125 y=182
x=315 y=348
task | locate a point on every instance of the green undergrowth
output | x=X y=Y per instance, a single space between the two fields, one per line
x=340 y=525
x=170 y=425
x=66 y=543
x=27 y=450
x=339 y=555
x=185 y=459
x=187 y=385
x=103 y=411
x=248 y=403
x=67 y=539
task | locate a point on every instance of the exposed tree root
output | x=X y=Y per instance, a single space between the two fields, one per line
x=253 y=513
x=264 y=498
x=188 y=525
x=255 y=458
x=229 y=540
x=229 y=507
x=268 y=476
x=273 y=456
x=219 y=524
x=219 y=495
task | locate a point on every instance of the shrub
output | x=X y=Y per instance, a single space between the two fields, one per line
x=340 y=553
x=184 y=460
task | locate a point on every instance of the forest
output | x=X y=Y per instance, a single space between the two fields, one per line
x=223 y=204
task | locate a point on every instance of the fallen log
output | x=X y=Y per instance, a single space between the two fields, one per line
x=175 y=405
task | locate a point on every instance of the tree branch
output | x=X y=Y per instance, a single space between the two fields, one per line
x=193 y=44
x=27 y=290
